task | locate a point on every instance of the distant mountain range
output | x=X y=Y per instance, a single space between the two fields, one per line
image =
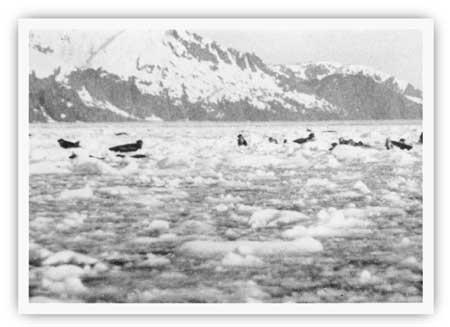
x=178 y=75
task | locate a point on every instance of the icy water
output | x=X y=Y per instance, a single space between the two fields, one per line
x=202 y=220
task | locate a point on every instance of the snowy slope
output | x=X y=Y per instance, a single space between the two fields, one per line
x=320 y=70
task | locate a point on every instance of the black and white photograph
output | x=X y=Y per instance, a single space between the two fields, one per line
x=190 y=161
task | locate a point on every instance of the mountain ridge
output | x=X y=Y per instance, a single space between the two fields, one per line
x=177 y=75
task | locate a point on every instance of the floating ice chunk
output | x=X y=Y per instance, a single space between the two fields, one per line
x=48 y=167
x=148 y=200
x=231 y=234
x=69 y=286
x=360 y=186
x=261 y=174
x=245 y=209
x=246 y=260
x=210 y=249
x=154 y=261
x=320 y=182
x=73 y=219
x=92 y=167
x=349 y=153
x=82 y=193
x=118 y=190
x=254 y=160
x=402 y=158
x=396 y=182
x=62 y=272
x=365 y=277
x=348 y=195
x=158 y=182
x=343 y=218
x=409 y=262
x=37 y=253
x=274 y=218
x=192 y=227
x=251 y=292
x=393 y=198
x=66 y=257
x=160 y=226
x=221 y=208
x=332 y=162
x=74 y=285
x=405 y=242
x=332 y=222
x=176 y=295
x=173 y=162
x=296 y=232
x=100 y=267
x=168 y=237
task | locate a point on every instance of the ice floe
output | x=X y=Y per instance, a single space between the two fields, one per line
x=360 y=186
x=81 y=193
x=275 y=218
x=210 y=249
x=160 y=226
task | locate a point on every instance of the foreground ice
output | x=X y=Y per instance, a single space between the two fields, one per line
x=199 y=219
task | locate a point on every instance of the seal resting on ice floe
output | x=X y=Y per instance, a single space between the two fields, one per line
x=67 y=144
x=138 y=156
x=421 y=138
x=99 y=158
x=302 y=140
x=273 y=140
x=352 y=142
x=241 y=140
x=127 y=147
x=348 y=142
x=333 y=145
x=389 y=144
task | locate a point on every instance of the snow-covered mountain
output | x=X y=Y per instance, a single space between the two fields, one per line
x=118 y=75
x=320 y=70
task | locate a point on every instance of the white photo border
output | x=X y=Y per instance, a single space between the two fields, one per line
x=425 y=25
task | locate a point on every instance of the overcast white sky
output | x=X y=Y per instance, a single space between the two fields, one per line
x=395 y=52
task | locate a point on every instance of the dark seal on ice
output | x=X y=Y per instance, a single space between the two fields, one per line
x=302 y=140
x=138 y=156
x=401 y=144
x=241 y=141
x=352 y=142
x=127 y=147
x=273 y=140
x=67 y=144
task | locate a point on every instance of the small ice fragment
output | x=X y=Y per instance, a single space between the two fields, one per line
x=82 y=193
x=62 y=272
x=221 y=208
x=360 y=186
x=235 y=259
x=66 y=257
x=158 y=225
x=366 y=277
x=154 y=261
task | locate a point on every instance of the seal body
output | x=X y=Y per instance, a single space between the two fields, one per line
x=302 y=140
x=241 y=140
x=131 y=147
x=67 y=144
